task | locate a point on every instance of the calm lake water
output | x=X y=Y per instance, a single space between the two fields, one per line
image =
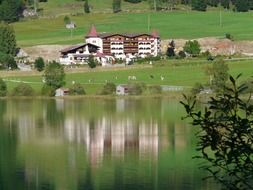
x=97 y=144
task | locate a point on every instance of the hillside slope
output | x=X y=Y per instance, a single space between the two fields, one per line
x=63 y=7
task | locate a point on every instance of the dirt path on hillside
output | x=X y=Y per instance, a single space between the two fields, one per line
x=214 y=45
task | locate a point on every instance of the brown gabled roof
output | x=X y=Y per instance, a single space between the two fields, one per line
x=71 y=48
x=92 y=32
x=130 y=35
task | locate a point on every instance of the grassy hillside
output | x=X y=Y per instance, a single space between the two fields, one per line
x=61 y=7
x=170 y=25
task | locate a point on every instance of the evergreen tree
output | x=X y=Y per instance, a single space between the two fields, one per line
x=199 y=5
x=11 y=10
x=7 y=39
x=39 y=64
x=86 y=7
x=242 y=5
x=225 y=4
x=213 y=3
x=192 y=47
x=171 y=49
x=91 y=62
x=116 y=6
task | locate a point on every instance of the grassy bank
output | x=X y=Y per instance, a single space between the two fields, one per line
x=178 y=24
x=175 y=73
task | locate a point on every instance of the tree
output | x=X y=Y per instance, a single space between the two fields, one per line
x=76 y=89
x=7 y=39
x=54 y=75
x=86 y=7
x=66 y=20
x=116 y=6
x=11 y=10
x=23 y=89
x=199 y=5
x=39 y=64
x=225 y=3
x=7 y=61
x=242 y=6
x=109 y=88
x=3 y=88
x=133 y=1
x=192 y=47
x=171 y=49
x=91 y=62
x=218 y=73
x=225 y=136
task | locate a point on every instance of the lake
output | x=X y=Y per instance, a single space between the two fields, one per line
x=97 y=144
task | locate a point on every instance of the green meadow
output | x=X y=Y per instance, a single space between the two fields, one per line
x=179 y=73
x=175 y=24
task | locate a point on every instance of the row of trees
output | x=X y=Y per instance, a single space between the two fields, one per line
x=200 y=5
x=11 y=10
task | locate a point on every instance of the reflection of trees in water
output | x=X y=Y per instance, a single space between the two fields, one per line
x=132 y=131
x=55 y=113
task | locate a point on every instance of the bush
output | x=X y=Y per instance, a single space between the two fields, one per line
x=197 y=88
x=136 y=88
x=91 y=62
x=192 y=47
x=39 y=64
x=7 y=61
x=109 y=88
x=23 y=89
x=3 y=88
x=181 y=54
x=155 y=89
x=76 y=89
x=229 y=36
x=48 y=90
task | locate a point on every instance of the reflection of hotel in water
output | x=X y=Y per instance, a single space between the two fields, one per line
x=113 y=135
x=104 y=134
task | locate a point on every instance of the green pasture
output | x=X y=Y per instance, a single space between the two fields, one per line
x=176 y=24
x=60 y=7
x=174 y=73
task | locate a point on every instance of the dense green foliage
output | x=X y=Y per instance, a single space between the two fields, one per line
x=76 y=89
x=192 y=47
x=91 y=62
x=3 y=88
x=23 y=89
x=86 y=7
x=10 y=10
x=7 y=39
x=133 y=1
x=218 y=73
x=7 y=62
x=199 y=5
x=225 y=136
x=109 y=88
x=54 y=75
x=171 y=49
x=39 y=64
x=47 y=90
x=116 y=6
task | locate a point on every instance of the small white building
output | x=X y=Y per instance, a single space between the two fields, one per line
x=122 y=89
x=61 y=92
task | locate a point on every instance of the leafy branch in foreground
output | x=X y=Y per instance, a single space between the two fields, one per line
x=225 y=138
